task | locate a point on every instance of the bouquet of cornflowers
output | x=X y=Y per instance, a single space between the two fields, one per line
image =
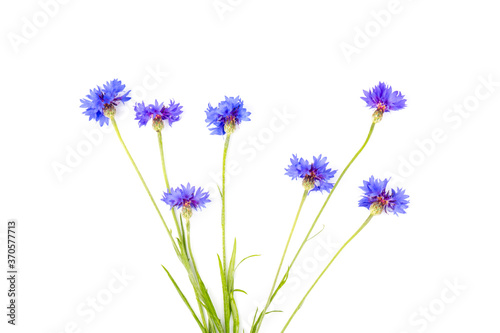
x=224 y=119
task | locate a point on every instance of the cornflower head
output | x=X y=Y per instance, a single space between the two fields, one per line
x=158 y=112
x=383 y=99
x=378 y=199
x=101 y=103
x=186 y=198
x=226 y=116
x=315 y=176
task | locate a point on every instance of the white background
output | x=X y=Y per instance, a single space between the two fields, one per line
x=79 y=227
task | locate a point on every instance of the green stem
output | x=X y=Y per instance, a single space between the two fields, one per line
x=227 y=305
x=306 y=238
x=160 y=143
x=113 y=121
x=269 y=299
x=223 y=195
x=202 y=312
x=180 y=230
x=324 y=270
x=331 y=192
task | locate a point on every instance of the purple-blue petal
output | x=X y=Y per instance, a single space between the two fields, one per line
x=382 y=94
x=230 y=109
x=111 y=94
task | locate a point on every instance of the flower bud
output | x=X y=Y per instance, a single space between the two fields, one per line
x=230 y=126
x=109 y=110
x=158 y=124
x=308 y=183
x=376 y=208
x=187 y=212
x=377 y=115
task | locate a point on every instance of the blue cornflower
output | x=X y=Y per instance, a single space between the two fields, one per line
x=383 y=99
x=226 y=116
x=101 y=102
x=157 y=112
x=315 y=175
x=186 y=198
x=378 y=199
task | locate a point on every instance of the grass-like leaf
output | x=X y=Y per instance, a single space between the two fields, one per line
x=253 y=255
x=225 y=293
x=262 y=314
x=236 y=317
x=231 y=269
x=209 y=306
x=241 y=291
x=220 y=192
x=310 y=238
x=185 y=300
x=268 y=312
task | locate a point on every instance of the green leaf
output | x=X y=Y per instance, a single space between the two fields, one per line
x=220 y=192
x=185 y=300
x=262 y=314
x=230 y=289
x=316 y=233
x=241 y=291
x=268 y=312
x=282 y=283
x=227 y=307
x=182 y=230
x=231 y=269
x=209 y=306
x=236 y=317
x=254 y=316
x=253 y=255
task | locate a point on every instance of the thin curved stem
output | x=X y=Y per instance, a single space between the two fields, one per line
x=223 y=195
x=306 y=238
x=331 y=192
x=180 y=231
x=325 y=269
x=269 y=299
x=160 y=143
x=188 y=227
x=115 y=126
x=227 y=305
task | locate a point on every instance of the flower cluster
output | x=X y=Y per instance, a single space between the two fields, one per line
x=378 y=199
x=101 y=102
x=226 y=116
x=186 y=198
x=157 y=112
x=315 y=175
x=100 y=105
x=383 y=99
